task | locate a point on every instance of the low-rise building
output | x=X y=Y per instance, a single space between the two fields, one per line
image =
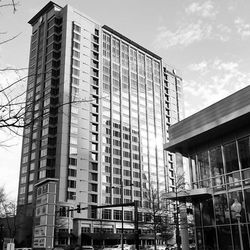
x=216 y=142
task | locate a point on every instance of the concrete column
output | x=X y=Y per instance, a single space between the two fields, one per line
x=182 y=206
x=77 y=230
x=184 y=227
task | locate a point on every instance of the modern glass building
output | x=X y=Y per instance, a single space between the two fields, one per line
x=98 y=110
x=216 y=142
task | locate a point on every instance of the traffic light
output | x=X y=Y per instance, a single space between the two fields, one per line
x=78 y=208
x=63 y=211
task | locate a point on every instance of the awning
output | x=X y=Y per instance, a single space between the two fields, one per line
x=192 y=195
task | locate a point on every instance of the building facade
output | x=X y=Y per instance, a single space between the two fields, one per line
x=216 y=144
x=98 y=110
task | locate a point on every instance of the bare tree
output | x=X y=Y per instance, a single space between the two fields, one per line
x=156 y=215
x=176 y=202
x=13 y=5
x=8 y=215
x=14 y=106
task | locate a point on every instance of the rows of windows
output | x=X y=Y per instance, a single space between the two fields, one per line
x=42 y=90
x=222 y=167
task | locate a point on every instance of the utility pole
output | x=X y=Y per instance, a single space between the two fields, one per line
x=122 y=214
x=137 y=243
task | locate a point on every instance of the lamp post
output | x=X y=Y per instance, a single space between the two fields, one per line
x=236 y=207
x=122 y=213
x=121 y=202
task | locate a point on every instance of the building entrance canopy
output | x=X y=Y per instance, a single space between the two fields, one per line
x=192 y=195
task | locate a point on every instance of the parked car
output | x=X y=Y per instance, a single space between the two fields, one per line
x=119 y=247
x=87 y=248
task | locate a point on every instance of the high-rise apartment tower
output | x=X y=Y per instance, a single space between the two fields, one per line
x=98 y=110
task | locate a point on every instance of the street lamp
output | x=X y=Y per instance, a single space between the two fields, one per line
x=236 y=207
x=122 y=246
x=122 y=214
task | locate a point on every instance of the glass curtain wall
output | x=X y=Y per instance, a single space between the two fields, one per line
x=132 y=136
x=224 y=168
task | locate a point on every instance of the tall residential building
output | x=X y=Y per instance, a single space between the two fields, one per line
x=98 y=110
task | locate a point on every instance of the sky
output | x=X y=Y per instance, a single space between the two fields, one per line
x=206 y=40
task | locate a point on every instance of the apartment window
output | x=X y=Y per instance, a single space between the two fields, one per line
x=24 y=170
x=30 y=198
x=116 y=180
x=117 y=190
x=94 y=166
x=107 y=169
x=95 y=127
x=126 y=145
x=73 y=140
x=126 y=172
x=107 y=200
x=106 y=214
x=25 y=159
x=94 y=90
x=76 y=36
x=116 y=161
x=75 y=81
x=76 y=54
x=94 y=118
x=45 y=131
x=94 y=156
x=93 y=198
x=76 y=45
x=94 y=137
x=116 y=133
x=117 y=171
x=71 y=184
x=74 y=120
x=74 y=91
x=126 y=163
x=136 y=174
x=22 y=190
x=32 y=166
x=72 y=161
x=136 y=184
x=31 y=187
x=128 y=215
x=76 y=72
x=127 y=182
x=94 y=146
x=72 y=151
x=108 y=179
x=127 y=192
x=73 y=130
x=31 y=177
x=76 y=62
x=95 y=47
x=116 y=151
x=76 y=28
x=72 y=172
x=116 y=200
x=42 y=174
x=117 y=214
x=71 y=195
x=108 y=190
x=94 y=187
x=94 y=176
x=126 y=154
